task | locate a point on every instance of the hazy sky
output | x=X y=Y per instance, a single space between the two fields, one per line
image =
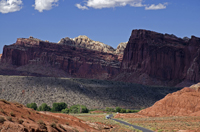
x=107 y=21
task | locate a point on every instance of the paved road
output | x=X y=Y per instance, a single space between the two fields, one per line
x=136 y=127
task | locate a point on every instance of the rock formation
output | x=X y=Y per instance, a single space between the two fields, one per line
x=181 y=103
x=84 y=41
x=155 y=58
x=75 y=61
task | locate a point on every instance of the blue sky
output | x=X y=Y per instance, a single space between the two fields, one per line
x=107 y=21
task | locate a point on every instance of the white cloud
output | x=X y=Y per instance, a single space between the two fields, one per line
x=79 y=6
x=99 y=4
x=7 y=6
x=156 y=7
x=41 y=5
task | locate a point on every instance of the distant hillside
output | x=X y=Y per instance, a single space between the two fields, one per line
x=89 y=92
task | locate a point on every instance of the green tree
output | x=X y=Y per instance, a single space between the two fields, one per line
x=78 y=109
x=118 y=109
x=66 y=111
x=32 y=105
x=59 y=106
x=44 y=107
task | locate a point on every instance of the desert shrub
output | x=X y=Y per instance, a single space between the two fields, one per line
x=2 y=111
x=9 y=118
x=44 y=107
x=118 y=109
x=67 y=123
x=110 y=109
x=3 y=100
x=123 y=111
x=78 y=109
x=20 y=121
x=61 y=127
x=40 y=122
x=58 y=106
x=32 y=105
x=12 y=114
x=2 y=120
x=66 y=111
x=53 y=125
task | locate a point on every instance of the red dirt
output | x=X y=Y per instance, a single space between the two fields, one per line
x=185 y=102
x=32 y=120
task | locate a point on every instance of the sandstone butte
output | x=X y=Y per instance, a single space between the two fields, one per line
x=181 y=103
x=28 y=120
x=149 y=58
x=160 y=59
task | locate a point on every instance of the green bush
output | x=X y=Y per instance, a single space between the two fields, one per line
x=123 y=111
x=110 y=109
x=78 y=109
x=44 y=107
x=135 y=111
x=66 y=111
x=118 y=109
x=58 y=106
x=32 y=105
x=128 y=111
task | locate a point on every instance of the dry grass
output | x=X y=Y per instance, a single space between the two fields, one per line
x=167 y=124
x=100 y=118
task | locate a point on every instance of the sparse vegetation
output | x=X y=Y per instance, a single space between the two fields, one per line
x=53 y=125
x=2 y=120
x=12 y=114
x=61 y=127
x=9 y=118
x=67 y=123
x=5 y=101
x=20 y=121
x=2 y=111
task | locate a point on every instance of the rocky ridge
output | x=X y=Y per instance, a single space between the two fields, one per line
x=84 y=41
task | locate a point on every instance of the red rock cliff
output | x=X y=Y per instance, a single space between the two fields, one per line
x=162 y=57
x=76 y=61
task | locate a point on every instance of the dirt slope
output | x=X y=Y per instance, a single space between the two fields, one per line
x=20 y=118
x=185 y=102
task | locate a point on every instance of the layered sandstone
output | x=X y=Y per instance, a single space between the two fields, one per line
x=155 y=58
x=84 y=41
x=75 y=61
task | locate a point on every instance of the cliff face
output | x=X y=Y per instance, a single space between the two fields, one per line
x=161 y=57
x=76 y=61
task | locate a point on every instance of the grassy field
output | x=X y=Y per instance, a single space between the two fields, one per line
x=157 y=124
x=167 y=124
